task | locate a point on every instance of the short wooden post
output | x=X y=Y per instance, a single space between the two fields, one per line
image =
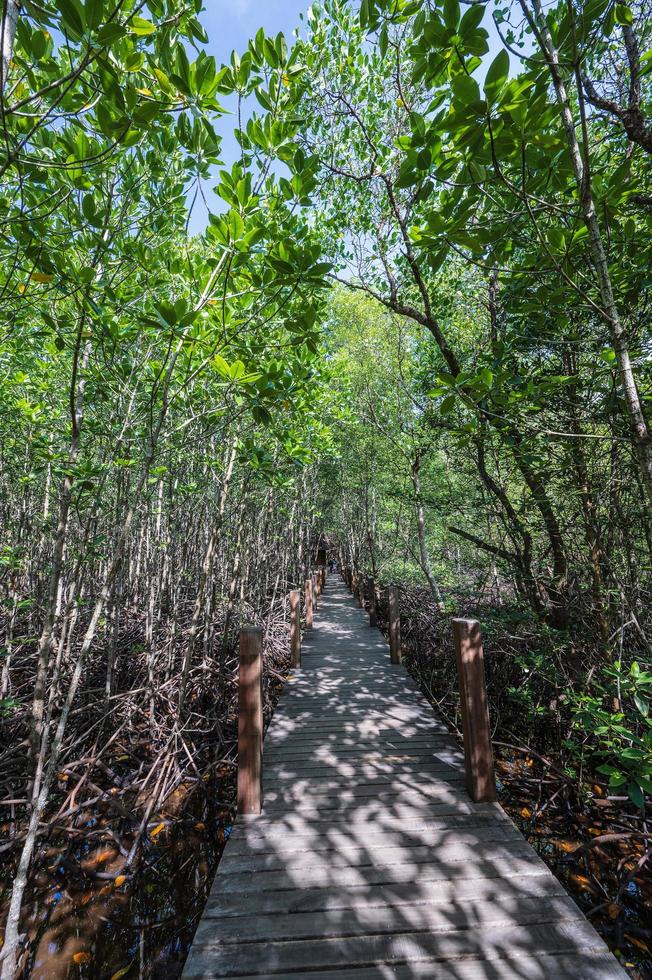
x=394 y=624
x=478 y=752
x=359 y=590
x=316 y=577
x=371 y=596
x=310 y=608
x=250 y=721
x=323 y=577
x=295 y=628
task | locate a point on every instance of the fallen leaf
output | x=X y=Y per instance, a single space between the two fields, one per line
x=613 y=910
x=157 y=830
x=122 y=972
x=635 y=941
x=200 y=826
x=582 y=881
x=81 y=958
x=598 y=790
x=120 y=880
x=526 y=813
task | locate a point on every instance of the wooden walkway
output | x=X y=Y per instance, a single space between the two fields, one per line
x=369 y=860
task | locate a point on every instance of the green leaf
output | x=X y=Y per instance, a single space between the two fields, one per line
x=471 y=19
x=93 y=10
x=636 y=794
x=261 y=415
x=496 y=75
x=72 y=16
x=642 y=705
x=88 y=207
x=134 y=61
x=111 y=33
x=451 y=14
x=624 y=15
x=447 y=405
x=141 y=27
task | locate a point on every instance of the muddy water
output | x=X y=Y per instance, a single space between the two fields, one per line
x=106 y=928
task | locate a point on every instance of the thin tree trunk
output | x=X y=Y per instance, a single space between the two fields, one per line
x=610 y=313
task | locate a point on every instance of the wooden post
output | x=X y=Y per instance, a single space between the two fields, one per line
x=478 y=753
x=295 y=628
x=316 y=577
x=324 y=575
x=394 y=624
x=371 y=595
x=250 y=721
x=309 y=603
x=358 y=592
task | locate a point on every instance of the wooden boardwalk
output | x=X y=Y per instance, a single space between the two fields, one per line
x=369 y=860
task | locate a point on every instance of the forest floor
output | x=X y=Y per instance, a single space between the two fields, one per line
x=89 y=918
x=136 y=823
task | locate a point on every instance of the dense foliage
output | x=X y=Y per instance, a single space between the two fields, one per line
x=417 y=322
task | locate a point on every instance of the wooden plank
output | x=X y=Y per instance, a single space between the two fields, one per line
x=296 y=825
x=490 y=944
x=335 y=776
x=348 y=806
x=588 y=965
x=337 y=794
x=407 y=917
x=224 y=902
x=516 y=861
x=373 y=837
x=409 y=857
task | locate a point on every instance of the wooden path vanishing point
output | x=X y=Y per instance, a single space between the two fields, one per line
x=369 y=859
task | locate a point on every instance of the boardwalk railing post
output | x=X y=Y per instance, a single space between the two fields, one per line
x=309 y=603
x=478 y=753
x=250 y=721
x=371 y=596
x=394 y=624
x=295 y=628
x=323 y=577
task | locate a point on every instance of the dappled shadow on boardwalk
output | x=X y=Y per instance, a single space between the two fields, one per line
x=369 y=860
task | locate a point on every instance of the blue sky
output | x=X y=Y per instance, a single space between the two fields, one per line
x=229 y=25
